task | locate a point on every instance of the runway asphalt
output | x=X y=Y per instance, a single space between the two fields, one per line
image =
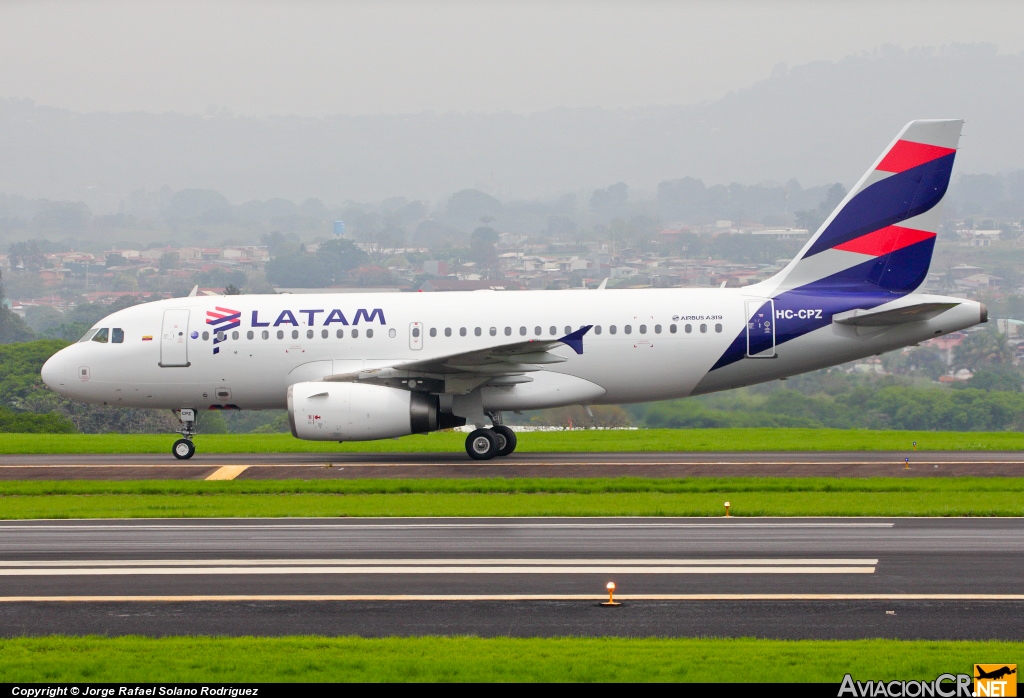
x=785 y=578
x=457 y=465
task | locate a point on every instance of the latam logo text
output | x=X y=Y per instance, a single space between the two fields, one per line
x=222 y=320
x=287 y=317
x=945 y=686
x=997 y=680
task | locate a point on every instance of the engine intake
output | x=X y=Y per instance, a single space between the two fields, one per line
x=357 y=412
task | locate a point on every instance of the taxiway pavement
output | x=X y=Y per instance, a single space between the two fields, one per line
x=273 y=466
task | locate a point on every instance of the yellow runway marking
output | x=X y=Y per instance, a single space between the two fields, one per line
x=228 y=472
x=511 y=597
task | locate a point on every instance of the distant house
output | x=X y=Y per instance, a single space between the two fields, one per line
x=431 y=285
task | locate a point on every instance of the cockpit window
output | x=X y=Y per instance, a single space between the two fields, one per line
x=101 y=336
x=117 y=336
x=88 y=335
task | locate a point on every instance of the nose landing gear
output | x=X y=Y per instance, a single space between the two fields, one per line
x=498 y=441
x=183 y=448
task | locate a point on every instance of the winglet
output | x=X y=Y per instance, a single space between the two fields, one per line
x=575 y=339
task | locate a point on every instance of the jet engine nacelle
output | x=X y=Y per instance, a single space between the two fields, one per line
x=321 y=411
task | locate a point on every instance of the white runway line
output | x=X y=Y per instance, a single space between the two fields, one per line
x=440 y=566
x=396 y=570
x=763 y=561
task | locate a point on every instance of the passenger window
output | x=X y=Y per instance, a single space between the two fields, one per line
x=433 y=331
x=324 y=333
x=295 y=334
x=249 y=334
x=718 y=327
x=537 y=330
x=117 y=336
x=703 y=328
x=415 y=331
x=597 y=329
x=643 y=329
x=369 y=334
x=628 y=329
x=657 y=329
x=494 y=331
x=340 y=333
x=355 y=334
x=462 y=331
x=265 y=334
x=234 y=335
x=554 y=330
x=477 y=331
x=447 y=331
x=280 y=334
x=611 y=329
x=568 y=329
x=101 y=336
x=391 y=333
x=688 y=329
x=309 y=334
x=206 y=336
x=522 y=331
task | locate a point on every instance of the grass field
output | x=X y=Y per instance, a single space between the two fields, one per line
x=698 y=440
x=321 y=659
x=515 y=497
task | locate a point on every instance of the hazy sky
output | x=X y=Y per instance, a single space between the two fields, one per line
x=306 y=57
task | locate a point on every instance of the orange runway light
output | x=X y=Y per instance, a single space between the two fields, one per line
x=611 y=596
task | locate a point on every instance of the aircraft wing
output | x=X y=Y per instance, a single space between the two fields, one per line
x=503 y=364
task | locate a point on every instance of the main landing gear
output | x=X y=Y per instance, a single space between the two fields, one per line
x=183 y=448
x=498 y=441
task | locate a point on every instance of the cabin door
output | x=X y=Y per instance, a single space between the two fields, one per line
x=760 y=328
x=174 y=339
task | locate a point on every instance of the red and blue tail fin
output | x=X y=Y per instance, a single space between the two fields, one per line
x=881 y=237
x=874 y=248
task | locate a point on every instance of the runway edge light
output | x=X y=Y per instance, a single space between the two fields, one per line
x=727 y=505
x=611 y=596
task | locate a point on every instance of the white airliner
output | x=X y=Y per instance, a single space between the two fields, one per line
x=357 y=367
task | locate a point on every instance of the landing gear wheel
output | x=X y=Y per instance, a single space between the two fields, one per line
x=506 y=439
x=482 y=444
x=183 y=449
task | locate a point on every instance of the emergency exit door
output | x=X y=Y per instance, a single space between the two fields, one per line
x=415 y=335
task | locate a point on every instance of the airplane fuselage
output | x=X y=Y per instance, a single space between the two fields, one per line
x=644 y=345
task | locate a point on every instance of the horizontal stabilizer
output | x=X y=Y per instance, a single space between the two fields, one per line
x=919 y=312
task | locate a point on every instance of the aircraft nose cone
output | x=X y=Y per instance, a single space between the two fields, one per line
x=54 y=372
